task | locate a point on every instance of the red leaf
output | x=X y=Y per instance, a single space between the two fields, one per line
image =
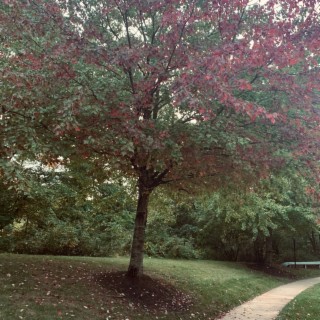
x=244 y=85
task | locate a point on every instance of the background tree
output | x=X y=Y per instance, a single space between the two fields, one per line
x=73 y=211
x=253 y=223
x=160 y=90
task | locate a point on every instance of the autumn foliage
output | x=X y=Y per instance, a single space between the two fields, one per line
x=166 y=91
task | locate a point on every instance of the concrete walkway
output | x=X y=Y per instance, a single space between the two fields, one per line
x=268 y=305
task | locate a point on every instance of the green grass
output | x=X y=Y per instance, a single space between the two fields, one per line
x=306 y=306
x=47 y=287
x=218 y=286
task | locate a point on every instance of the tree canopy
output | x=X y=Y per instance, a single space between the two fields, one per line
x=165 y=91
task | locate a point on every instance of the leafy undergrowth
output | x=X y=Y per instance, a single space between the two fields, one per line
x=46 y=287
x=305 y=306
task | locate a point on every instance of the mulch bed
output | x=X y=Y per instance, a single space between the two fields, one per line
x=145 y=292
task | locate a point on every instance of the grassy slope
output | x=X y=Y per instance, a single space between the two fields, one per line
x=42 y=287
x=305 y=306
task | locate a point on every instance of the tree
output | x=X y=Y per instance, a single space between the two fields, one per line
x=10 y=203
x=70 y=211
x=243 y=222
x=165 y=91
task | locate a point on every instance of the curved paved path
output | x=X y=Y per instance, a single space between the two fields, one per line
x=268 y=305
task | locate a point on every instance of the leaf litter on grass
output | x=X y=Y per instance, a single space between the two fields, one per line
x=152 y=295
x=57 y=290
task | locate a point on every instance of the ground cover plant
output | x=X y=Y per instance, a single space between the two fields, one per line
x=304 y=306
x=50 y=287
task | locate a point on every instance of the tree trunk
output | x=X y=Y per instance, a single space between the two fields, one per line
x=313 y=242
x=258 y=247
x=136 y=260
x=269 y=249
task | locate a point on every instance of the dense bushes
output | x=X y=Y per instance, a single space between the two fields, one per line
x=65 y=214
x=240 y=224
x=64 y=238
x=62 y=214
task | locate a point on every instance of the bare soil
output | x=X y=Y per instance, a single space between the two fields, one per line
x=145 y=292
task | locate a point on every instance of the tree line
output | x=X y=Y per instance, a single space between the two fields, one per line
x=67 y=213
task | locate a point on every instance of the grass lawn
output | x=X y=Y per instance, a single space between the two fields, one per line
x=306 y=306
x=47 y=287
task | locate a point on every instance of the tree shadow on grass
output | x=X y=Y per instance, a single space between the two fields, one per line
x=145 y=292
x=273 y=270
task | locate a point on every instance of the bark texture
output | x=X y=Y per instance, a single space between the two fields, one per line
x=137 y=250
